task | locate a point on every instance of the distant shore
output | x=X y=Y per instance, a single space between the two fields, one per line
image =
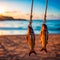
x=13 y=20
x=4 y=18
x=9 y=18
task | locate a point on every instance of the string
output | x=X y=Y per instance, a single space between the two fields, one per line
x=46 y=11
x=30 y=23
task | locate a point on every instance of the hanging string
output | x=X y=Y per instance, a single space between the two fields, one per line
x=46 y=11
x=30 y=23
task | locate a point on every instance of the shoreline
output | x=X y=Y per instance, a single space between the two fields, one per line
x=26 y=34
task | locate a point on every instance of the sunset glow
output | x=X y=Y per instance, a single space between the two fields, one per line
x=21 y=9
x=2 y=10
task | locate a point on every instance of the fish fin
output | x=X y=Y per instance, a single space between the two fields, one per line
x=42 y=49
x=45 y=50
x=32 y=52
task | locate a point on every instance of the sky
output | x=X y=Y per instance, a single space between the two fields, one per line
x=21 y=8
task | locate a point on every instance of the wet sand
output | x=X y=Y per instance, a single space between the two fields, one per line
x=14 y=47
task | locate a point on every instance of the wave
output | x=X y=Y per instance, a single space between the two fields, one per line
x=20 y=27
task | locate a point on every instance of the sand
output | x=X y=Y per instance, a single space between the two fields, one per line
x=14 y=47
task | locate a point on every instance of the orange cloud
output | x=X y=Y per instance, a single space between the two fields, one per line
x=19 y=14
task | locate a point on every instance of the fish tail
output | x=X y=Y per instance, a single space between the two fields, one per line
x=44 y=50
x=32 y=52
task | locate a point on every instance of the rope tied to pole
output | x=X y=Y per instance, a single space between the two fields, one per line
x=30 y=23
x=45 y=15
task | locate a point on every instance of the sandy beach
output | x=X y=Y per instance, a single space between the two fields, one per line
x=14 y=47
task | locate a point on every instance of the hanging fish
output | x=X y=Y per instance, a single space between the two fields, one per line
x=31 y=40
x=44 y=37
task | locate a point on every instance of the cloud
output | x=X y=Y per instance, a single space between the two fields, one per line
x=19 y=14
x=53 y=16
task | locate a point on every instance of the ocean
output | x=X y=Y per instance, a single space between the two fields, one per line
x=20 y=27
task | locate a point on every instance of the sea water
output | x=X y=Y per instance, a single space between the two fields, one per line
x=21 y=27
